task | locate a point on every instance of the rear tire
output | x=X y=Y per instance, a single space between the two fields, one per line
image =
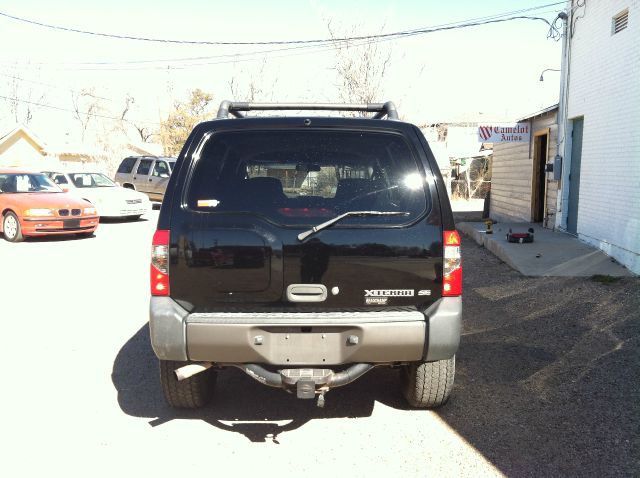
x=428 y=384
x=193 y=392
x=11 y=227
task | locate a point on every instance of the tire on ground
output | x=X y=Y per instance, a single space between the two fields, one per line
x=428 y=384
x=17 y=236
x=193 y=392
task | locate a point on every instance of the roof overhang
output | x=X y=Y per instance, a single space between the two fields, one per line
x=539 y=113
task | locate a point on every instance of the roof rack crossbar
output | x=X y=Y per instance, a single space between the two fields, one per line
x=234 y=108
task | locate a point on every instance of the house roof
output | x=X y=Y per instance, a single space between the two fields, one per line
x=539 y=113
x=145 y=149
x=20 y=128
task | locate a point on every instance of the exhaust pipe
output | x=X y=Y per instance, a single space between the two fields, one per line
x=191 y=369
x=260 y=374
x=349 y=375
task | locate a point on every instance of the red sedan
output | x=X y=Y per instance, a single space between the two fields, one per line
x=32 y=205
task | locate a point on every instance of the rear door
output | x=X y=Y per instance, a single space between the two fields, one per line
x=248 y=195
x=159 y=178
x=142 y=174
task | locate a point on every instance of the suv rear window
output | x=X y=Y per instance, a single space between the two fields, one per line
x=305 y=177
x=127 y=165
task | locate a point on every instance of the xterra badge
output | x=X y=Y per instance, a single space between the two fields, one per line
x=381 y=296
x=389 y=293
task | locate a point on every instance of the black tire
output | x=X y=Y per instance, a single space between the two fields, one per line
x=193 y=392
x=133 y=218
x=11 y=223
x=428 y=384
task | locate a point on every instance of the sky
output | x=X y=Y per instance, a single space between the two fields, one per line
x=483 y=73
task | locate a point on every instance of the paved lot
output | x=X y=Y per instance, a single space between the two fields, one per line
x=547 y=382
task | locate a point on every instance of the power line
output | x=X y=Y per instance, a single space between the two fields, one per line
x=58 y=87
x=58 y=108
x=49 y=86
x=398 y=34
x=252 y=56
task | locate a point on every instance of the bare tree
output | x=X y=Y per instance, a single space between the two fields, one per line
x=253 y=86
x=85 y=107
x=23 y=101
x=361 y=66
x=128 y=101
x=144 y=132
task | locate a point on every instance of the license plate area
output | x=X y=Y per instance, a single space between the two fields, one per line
x=71 y=223
x=307 y=345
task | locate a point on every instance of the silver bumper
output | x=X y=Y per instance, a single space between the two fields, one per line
x=305 y=338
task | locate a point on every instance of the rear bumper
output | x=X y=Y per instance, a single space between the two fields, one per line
x=294 y=339
x=125 y=210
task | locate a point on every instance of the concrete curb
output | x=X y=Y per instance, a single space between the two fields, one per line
x=486 y=241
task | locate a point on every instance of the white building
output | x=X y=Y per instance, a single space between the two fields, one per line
x=599 y=118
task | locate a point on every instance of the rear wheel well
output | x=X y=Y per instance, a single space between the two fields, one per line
x=129 y=186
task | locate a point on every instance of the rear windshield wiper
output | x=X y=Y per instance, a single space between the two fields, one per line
x=303 y=235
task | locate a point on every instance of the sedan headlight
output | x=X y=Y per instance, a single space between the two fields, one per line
x=39 y=212
x=89 y=210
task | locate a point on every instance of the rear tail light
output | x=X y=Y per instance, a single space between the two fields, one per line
x=160 y=263
x=452 y=269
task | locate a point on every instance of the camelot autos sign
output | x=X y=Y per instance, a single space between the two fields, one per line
x=504 y=133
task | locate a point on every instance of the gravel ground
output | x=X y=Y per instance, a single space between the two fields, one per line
x=547 y=382
x=548 y=371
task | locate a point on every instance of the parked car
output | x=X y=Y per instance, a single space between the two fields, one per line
x=147 y=174
x=306 y=251
x=110 y=199
x=32 y=205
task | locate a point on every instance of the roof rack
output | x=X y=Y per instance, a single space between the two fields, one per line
x=235 y=108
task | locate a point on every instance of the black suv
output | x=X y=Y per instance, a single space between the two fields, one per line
x=305 y=251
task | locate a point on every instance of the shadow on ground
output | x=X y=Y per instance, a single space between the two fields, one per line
x=56 y=238
x=547 y=372
x=546 y=383
x=122 y=220
x=240 y=404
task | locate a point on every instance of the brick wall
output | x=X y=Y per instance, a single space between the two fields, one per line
x=604 y=88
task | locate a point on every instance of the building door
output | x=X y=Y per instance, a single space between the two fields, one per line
x=538 y=176
x=574 y=175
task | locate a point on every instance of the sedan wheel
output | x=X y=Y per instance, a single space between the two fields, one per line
x=11 y=228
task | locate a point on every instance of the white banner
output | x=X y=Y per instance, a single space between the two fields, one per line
x=504 y=133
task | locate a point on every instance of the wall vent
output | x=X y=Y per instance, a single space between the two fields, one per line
x=620 y=21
